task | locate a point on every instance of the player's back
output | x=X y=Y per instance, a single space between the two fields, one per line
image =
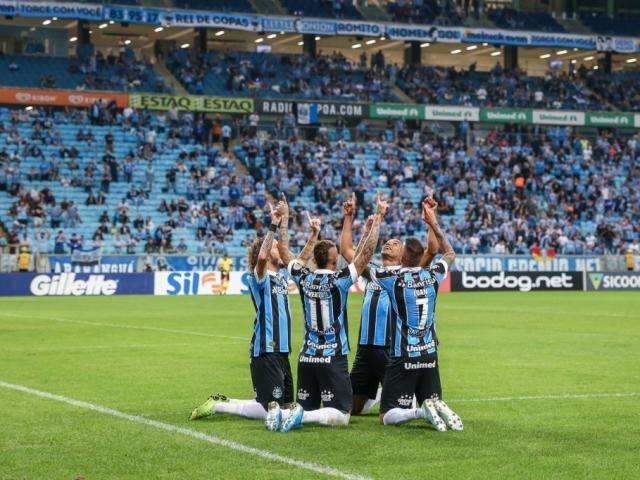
x=272 y=323
x=324 y=300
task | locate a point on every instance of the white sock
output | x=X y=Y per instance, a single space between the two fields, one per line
x=414 y=402
x=247 y=409
x=396 y=416
x=371 y=402
x=326 y=416
x=237 y=400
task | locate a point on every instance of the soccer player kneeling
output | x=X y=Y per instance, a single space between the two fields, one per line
x=413 y=366
x=323 y=371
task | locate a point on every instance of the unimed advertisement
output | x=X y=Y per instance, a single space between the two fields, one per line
x=515 y=281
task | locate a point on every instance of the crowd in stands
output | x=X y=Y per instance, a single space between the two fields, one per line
x=278 y=75
x=498 y=88
x=619 y=89
x=510 y=18
x=557 y=192
x=141 y=182
x=323 y=8
x=432 y=12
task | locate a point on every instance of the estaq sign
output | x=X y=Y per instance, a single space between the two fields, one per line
x=193 y=103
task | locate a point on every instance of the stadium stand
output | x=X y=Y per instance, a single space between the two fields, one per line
x=498 y=88
x=426 y=11
x=280 y=76
x=93 y=72
x=323 y=8
x=512 y=19
x=627 y=24
x=216 y=5
x=620 y=89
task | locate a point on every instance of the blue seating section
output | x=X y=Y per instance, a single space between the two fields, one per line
x=216 y=5
x=277 y=76
x=624 y=25
x=537 y=21
x=323 y=8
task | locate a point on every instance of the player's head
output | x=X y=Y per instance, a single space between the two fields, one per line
x=392 y=252
x=325 y=254
x=274 y=255
x=412 y=252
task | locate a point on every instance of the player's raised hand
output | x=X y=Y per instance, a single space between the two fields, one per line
x=349 y=206
x=381 y=205
x=283 y=200
x=275 y=213
x=315 y=223
x=429 y=207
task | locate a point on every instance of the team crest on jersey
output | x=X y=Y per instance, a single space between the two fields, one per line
x=326 y=395
x=277 y=392
x=303 y=394
x=405 y=400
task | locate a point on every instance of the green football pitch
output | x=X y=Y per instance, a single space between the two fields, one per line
x=547 y=384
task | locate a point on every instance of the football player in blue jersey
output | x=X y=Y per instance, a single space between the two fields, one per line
x=413 y=366
x=271 y=343
x=367 y=371
x=323 y=373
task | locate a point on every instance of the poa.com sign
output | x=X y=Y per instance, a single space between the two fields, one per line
x=515 y=281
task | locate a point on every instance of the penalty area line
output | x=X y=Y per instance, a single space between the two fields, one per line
x=168 y=427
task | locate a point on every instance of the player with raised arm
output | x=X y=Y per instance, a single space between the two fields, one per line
x=413 y=367
x=323 y=370
x=271 y=343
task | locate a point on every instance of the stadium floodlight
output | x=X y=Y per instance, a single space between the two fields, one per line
x=589 y=58
x=54 y=18
x=456 y=51
x=485 y=44
x=425 y=45
x=282 y=33
x=73 y=39
x=272 y=35
x=259 y=40
x=545 y=55
x=158 y=29
x=46 y=22
x=300 y=43
x=111 y=22
x=370 y=42
x=103 y=25
x=595 y=67
x=185 y=45
x=632 y=60
x=28 y=108
x=496 y=53
x=574 y=61
x=127 y=42
x=356 y=45
x=219 y=33
x=561 y=52
x=471 y=47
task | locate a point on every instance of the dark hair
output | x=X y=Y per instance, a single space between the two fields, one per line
x=254 y=251
x=413 y=251
x=321 y=252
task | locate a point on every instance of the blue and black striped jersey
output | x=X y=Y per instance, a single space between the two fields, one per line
x=324 y=306
x=272 y=324
x=377 y=314
x=412 y=294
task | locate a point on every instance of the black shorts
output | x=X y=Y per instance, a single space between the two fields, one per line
x=368 y=370
x=272 y=379
x=326 y=380
x=406 y=377
x=225 y=276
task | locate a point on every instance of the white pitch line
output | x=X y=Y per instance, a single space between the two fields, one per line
x=568 y=396
x=536 y=311
x=266 y=454
x=97 y=347
x=132 y=327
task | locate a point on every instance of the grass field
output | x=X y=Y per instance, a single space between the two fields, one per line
x=548 y=385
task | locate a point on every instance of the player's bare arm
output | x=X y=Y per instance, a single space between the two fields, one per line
x=369 y=247
x=283 y=243
x=267 y=243
x=346 y=237
x=432 y=241
x=430 y=218
x=307 y=251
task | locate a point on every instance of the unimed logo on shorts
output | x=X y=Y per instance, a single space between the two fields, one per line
x=519 y=281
